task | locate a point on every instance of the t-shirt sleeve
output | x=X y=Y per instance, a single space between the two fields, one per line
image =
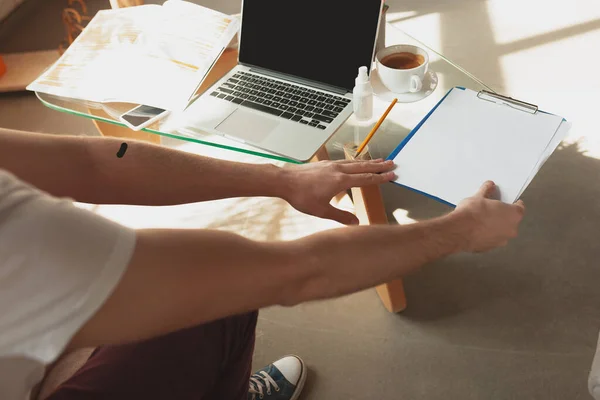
x=58 y=265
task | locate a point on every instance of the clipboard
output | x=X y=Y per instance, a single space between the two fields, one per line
x=470 y=137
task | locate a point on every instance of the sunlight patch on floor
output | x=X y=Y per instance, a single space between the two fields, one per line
x=257 y=218
x=401 y=216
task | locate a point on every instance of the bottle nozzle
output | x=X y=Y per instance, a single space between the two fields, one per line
x=363 y=76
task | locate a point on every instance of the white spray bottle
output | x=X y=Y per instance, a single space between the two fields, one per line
x=363 y=96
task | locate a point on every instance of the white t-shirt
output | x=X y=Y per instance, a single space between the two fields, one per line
x=58 y=264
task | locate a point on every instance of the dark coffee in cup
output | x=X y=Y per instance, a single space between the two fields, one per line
x=403 y=60
x=402 y=68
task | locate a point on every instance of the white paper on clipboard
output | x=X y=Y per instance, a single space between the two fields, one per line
x=466 y=141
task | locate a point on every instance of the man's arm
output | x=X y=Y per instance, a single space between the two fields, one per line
x=178 y=279
x=87 y=169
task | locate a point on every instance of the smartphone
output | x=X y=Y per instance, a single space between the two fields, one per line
x=142 y=116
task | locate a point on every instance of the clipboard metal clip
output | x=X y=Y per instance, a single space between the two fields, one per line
x=508 y=101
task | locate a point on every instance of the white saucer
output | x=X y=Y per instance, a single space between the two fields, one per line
x=429 y=84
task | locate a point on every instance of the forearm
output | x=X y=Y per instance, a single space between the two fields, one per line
x=179 y=279
x=344 y=261
x=88 y=170
x=153 y=175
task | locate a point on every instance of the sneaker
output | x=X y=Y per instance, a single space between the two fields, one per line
x=282 y=380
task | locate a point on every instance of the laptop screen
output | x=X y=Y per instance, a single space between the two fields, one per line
x=321 y=40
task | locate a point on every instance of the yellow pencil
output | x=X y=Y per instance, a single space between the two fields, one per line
x=377 y=125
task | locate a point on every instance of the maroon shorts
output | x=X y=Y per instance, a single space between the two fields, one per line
x=207 y=362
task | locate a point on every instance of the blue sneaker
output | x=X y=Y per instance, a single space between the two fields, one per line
x=282 y=380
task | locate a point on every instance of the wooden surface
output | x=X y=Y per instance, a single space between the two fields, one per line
x=370 y=210
x=24 y=68
x=392 y=296
x=321 y=155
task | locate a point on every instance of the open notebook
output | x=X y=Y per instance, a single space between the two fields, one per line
x=470 y=137
x=149 y=54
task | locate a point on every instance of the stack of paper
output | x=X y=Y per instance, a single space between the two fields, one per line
x=467 y=140
x=150 y=54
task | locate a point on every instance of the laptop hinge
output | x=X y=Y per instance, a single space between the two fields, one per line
x=295 y=79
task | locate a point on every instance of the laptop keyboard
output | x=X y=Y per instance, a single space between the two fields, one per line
x=285 y=100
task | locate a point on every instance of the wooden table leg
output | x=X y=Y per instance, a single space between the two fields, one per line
x=370 y=210
x=322 y=155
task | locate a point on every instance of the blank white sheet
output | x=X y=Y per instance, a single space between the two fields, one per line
x=467 y=141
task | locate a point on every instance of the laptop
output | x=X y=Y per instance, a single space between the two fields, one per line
x=292 y=87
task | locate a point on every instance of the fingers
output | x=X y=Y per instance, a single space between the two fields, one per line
x=373 y=167
x=486 y=190
x=344 y=217
x=517 y=210
x=516 y=217
x=360 y=180
x=364 y=173
x=520 y=206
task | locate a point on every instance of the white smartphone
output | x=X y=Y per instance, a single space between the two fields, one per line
x=141 y=116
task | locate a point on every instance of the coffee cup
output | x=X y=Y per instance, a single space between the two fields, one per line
x=402 y=67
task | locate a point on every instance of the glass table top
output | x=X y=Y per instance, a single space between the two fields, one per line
x=401 y=120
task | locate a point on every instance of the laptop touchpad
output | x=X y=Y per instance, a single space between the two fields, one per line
x=247 y=126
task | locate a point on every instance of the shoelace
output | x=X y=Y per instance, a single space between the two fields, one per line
x=259 y=382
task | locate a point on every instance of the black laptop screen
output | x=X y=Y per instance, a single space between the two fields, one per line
x=321 y=40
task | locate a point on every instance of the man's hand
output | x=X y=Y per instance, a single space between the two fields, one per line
x=310 y=187
x=492 y=223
